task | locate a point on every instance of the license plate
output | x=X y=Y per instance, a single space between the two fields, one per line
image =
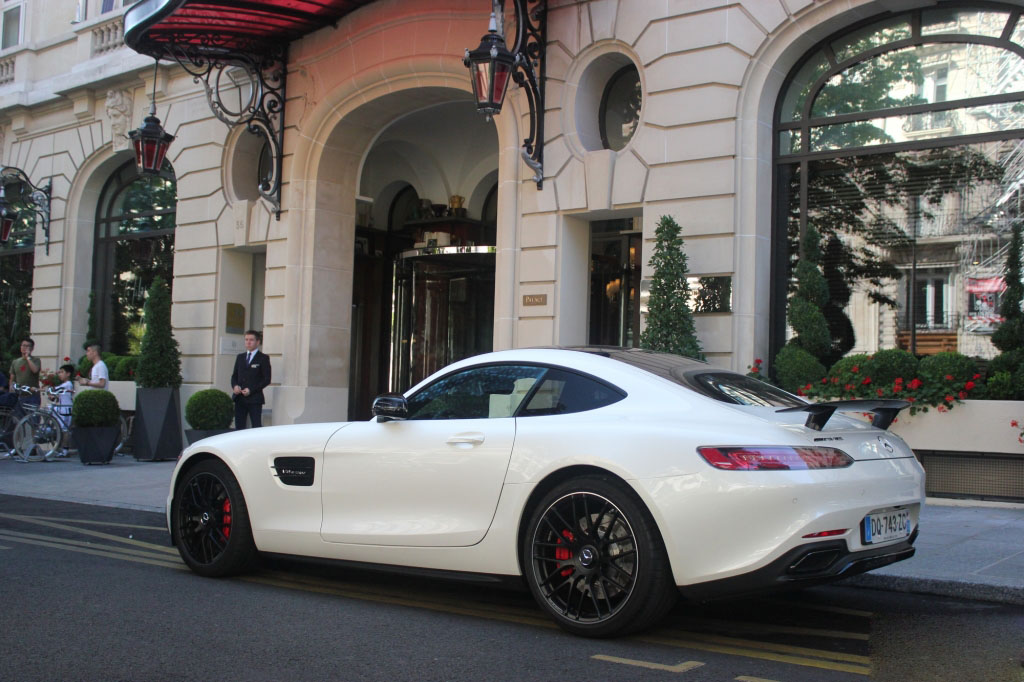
x=886 y=526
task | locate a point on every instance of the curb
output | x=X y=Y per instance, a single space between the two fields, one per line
x=1000 y=594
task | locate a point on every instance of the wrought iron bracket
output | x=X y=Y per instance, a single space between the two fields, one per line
x=259 y=80
x=529 y=51
x=38 y=197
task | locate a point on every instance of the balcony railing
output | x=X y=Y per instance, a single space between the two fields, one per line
x=107 y=36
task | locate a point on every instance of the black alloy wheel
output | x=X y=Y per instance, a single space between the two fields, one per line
x=595 y=561
x=210 y=521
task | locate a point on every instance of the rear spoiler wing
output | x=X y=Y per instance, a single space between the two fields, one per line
x=885 y=411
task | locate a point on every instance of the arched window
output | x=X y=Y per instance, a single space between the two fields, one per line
x=135 y=222
x=17 y=249
x=899 y=142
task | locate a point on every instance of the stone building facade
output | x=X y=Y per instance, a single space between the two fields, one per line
x=379 y=127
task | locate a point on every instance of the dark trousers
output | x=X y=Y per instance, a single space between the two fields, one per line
x=253 y=410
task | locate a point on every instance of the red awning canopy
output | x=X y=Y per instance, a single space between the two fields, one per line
x=219 y=26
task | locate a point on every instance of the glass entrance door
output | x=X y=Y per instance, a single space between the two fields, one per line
x=614 y=284
x=442 y=311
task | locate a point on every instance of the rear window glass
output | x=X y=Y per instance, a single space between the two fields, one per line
x=728 y=387
x=740 y=390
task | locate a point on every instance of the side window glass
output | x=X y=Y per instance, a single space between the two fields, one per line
x=479 y=393
x=565 y=392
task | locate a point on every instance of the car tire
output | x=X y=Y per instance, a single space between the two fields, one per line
x=594 y=559
x=210 y=521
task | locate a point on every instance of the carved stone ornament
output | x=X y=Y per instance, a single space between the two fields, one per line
x=119 y=111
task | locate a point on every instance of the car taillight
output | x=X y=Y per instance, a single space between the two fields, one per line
x=774 y=457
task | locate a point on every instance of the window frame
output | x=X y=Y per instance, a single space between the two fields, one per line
x=5 y=7
x=531 y=392
x=785 y=165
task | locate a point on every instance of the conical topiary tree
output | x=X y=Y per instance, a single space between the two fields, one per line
x=159 y=360
x=670 y=325
x=798 y=363
x=1010 y=335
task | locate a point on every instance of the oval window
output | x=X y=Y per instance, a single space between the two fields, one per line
x=620 y=108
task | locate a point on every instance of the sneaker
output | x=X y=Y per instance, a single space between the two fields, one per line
x=63 y=452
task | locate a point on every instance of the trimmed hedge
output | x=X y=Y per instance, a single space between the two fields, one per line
x=95 y=408
x=209 y=409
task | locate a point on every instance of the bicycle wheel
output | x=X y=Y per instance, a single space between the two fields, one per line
x=38 y=436
x=7 y=423
x=124 y=443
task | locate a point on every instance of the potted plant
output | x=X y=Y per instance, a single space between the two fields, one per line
x=95 y=426
x=209 y=412
x=157 y=429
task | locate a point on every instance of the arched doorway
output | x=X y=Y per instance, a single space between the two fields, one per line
x=424 y=254
x=899 y=141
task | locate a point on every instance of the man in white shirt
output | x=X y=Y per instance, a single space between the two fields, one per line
x=100 y=376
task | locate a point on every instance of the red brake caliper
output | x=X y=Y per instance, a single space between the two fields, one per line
x=225 y=524
x=563 y=553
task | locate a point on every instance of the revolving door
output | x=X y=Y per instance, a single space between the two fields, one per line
x=442 y=310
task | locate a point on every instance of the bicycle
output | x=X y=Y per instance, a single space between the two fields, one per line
x=39 y=435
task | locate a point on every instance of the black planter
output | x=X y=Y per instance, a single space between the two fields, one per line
x=156 y=433
x=193 y=435
x=95 y=444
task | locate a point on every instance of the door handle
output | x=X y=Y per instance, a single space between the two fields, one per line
x=466 y=439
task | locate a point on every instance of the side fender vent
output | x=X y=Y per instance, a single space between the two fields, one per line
x=295 y=470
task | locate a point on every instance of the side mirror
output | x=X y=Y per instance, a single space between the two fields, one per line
x=390 y=407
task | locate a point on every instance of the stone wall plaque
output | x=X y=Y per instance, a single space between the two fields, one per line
x=235 y=319
x=535 y=299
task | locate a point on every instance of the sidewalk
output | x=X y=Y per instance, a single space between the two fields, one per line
x=973 y=550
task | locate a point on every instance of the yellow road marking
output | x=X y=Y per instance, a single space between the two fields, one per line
x=752 y=653
x=399 y=593
x=14 y=535
x=766 y=629
x=92 y=533
x=719 y=644
x=820 y=607
x=369 y=596
x=99 y=523
x=747 y=648
x=773 y=646
x=677 y=668
x=96 y=552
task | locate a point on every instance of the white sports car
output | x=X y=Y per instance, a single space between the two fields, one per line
x=609 y=479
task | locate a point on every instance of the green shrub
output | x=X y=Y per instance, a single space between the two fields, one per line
x=95 y=408
x=124 y=368
x=886 y=366
x=670 y=326
x=844 y=377
x=795 y=368
x=160 y=359
x=1010 y=361
x=1002 y=386
x=209 y=409
x=946 y=379
x=84 y=366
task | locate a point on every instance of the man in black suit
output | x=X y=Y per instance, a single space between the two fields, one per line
x=251 y=376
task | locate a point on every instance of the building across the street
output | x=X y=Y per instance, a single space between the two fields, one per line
x=332 y=183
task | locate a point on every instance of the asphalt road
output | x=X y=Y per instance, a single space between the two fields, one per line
x=95 y=593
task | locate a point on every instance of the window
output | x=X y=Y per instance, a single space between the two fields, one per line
x=17 y=248
x=135 y=222
x=10 y=32
x=566 y=392
x=901 y=142
x=620 y=108
x=478 y=393
x=741 y=390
